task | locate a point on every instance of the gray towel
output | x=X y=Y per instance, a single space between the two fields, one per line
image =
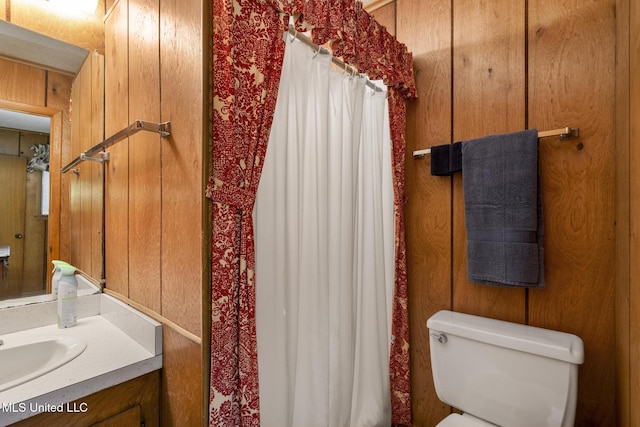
x=446 y=159
x=503 y=210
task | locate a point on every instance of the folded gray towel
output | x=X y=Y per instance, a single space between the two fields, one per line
x=446 y=159
x=503 y=210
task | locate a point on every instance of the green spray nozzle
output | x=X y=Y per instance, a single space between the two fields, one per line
x=57 y=262
x=67 y=269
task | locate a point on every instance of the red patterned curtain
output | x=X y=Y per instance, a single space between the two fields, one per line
x=247 y=60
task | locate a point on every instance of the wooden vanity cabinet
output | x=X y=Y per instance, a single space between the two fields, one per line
x=133 y=403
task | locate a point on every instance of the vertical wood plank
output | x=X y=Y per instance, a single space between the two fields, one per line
x=488 y=98
x=184 y=268
x=75 y=180
x=572 y=83
x=386 y=16
x=144 y=156
x=82 y=113
x=181 y=393
x=55 y=220
x=634 y=139
x=623 y=217
x=97 y=183
x=22 y=83
x=427 y=33
x=59 y=98
x=117 y=171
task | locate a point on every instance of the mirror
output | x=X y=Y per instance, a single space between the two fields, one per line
x=24 y=172
x=35 y=70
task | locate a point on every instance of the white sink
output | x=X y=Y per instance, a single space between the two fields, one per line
x=23 y=359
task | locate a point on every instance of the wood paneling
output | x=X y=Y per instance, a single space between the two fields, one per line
x=116 y=202
x=97 y=174
x=491 y=67
x=386 y=16
x=9 y=142
x=627 y=211
x=623 y=240
x=154 y=207
x=58 y=98
x=634 y=140
x=488 y=98
x=427 y=33
x=181 y=394
x=75 y=181
x=82 y=116
x=22 y=83
x=184 y=268
x=86 y=192
x=578 y=186
x=145 y=197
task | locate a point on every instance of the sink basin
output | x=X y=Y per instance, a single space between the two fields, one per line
x=26 y=358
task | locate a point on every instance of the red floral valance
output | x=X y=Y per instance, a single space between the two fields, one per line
x=357 y=38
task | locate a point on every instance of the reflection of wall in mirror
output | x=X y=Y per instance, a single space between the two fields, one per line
x=24 y=229
x=38 y=91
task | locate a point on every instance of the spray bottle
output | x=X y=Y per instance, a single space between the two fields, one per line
x=67 y=297
x=55 y=279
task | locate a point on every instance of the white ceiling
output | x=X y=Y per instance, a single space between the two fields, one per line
x=42 y=51
x=21 y=121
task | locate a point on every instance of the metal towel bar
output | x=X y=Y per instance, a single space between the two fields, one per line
x=563 y=133
x=164 y=129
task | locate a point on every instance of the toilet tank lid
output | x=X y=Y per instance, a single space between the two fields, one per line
x=544 y=342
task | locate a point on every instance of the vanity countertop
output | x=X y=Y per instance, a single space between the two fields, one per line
x=122 y=344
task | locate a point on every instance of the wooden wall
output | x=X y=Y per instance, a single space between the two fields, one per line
x=86 y=180
x=155 y=212
x=627 y=211
x=500 y=66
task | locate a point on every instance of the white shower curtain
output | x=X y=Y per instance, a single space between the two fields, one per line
x=325 y=251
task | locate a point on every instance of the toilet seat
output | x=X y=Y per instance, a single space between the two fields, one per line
x=457 y=420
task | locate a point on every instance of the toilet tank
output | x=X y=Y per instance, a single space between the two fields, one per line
x=505 y=373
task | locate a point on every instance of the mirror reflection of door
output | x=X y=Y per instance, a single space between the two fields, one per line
x=23 y=227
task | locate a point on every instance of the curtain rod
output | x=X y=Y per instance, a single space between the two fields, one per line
x=563 y=133
x=350 y=69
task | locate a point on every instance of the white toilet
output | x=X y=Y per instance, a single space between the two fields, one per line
x=502 y=373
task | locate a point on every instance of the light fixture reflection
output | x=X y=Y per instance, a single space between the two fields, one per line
x=74 y=6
